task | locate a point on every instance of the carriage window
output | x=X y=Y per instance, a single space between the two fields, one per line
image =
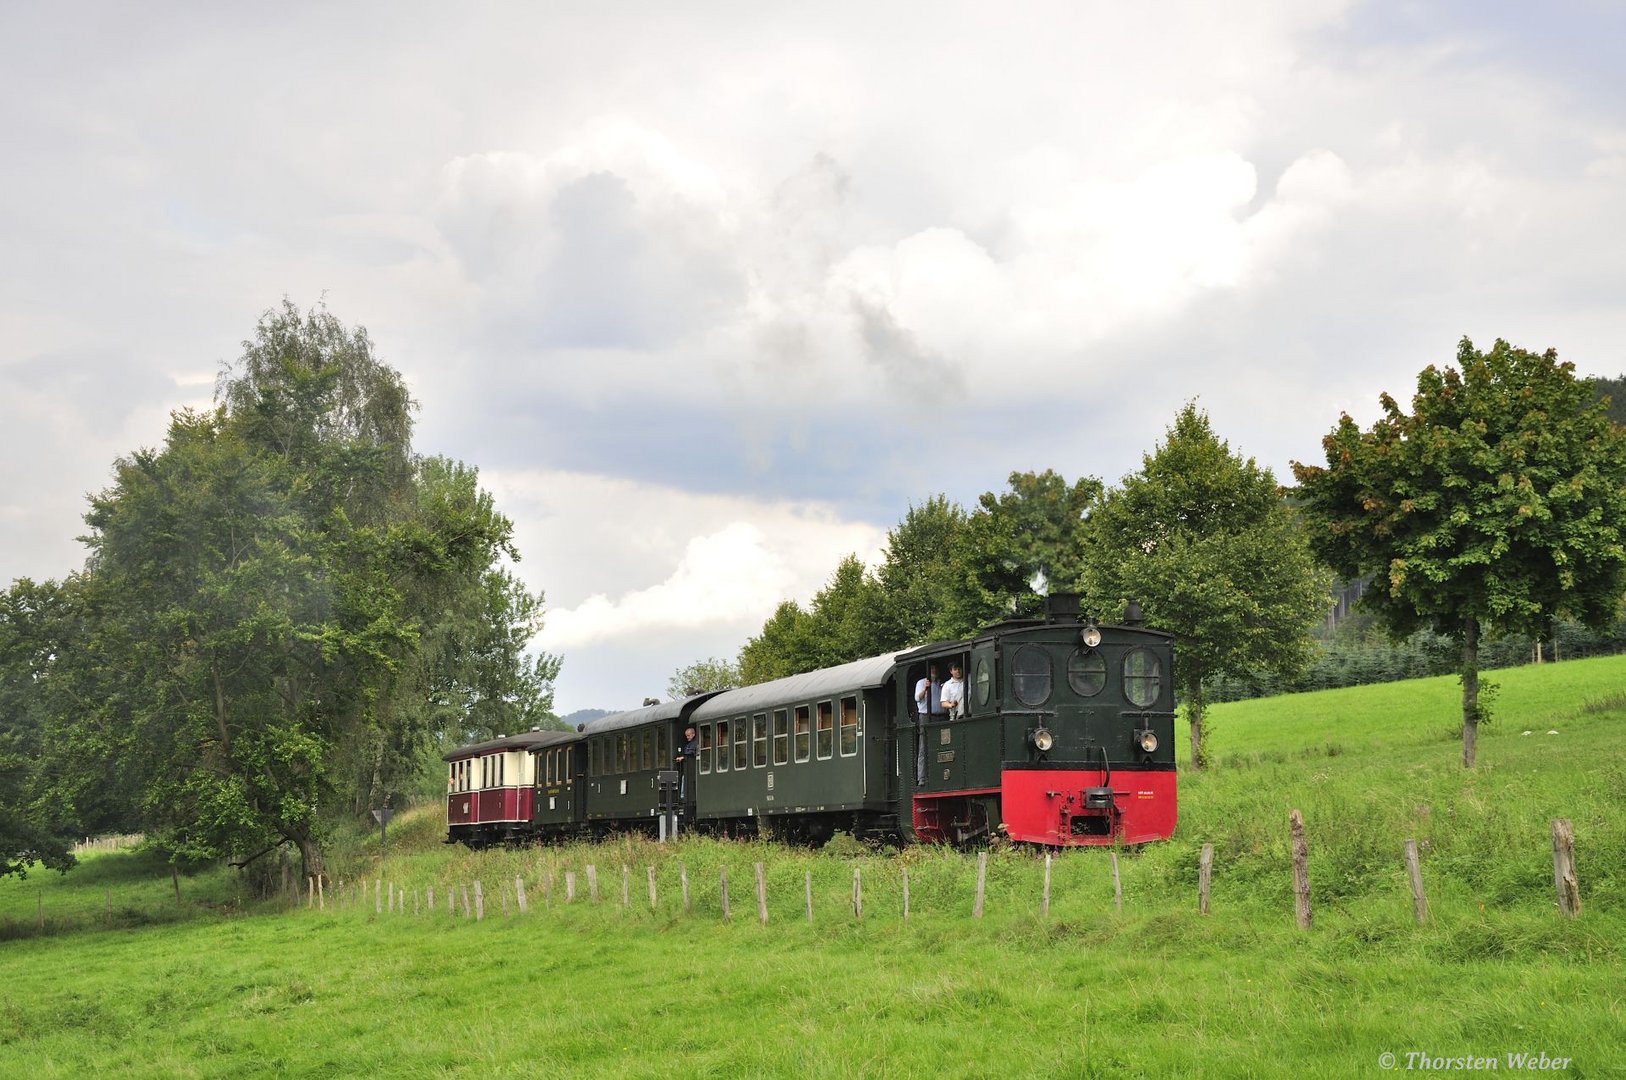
x=804 y=735
x=984 y=681
x=705 y=748
x=1030 y=675
x=722 y=746
x=781 y=735
x=742 y=745
x=852 y=726
x=826 y=742
x=1143 y=677
x=663 y=747
x=547 y=767
x=1086 y=672
x=759 y=740
x=649 y=749
x=592 y=758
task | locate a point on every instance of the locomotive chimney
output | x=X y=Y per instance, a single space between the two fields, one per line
x=1132 y=614
x=1061 y=607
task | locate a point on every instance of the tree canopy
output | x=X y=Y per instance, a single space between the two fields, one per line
x=703 y=676
x=1203 y=540
x=1497 y=504
x=286 y=611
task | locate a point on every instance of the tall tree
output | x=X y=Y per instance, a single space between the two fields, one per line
x=1018 y=545
x=1202 y=539
x=295 y=603
x=1497 y=504
x=846 y=621
x=787 y=645
x=34 y=628
x=922 y=575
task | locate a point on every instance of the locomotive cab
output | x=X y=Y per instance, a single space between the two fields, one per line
x=1066 y=738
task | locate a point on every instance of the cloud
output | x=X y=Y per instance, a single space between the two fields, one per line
x=621 y=559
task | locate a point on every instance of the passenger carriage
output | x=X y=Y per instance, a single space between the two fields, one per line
x=491 y=786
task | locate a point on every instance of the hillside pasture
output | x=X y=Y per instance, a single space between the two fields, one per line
x=223 y=985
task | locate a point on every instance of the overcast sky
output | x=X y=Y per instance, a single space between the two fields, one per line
x=710 y=293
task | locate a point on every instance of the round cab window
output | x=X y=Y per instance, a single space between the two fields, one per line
x=1030 y=675
x=1143 y=677
x=984 y=682
x=1086 y=672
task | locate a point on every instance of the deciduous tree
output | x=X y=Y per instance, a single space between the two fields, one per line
x=1202 y=539
x=703 y=676
x=1497 y=504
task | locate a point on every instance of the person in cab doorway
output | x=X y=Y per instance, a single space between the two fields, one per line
x=954 y=694
x=928 y=706
x=688 y=751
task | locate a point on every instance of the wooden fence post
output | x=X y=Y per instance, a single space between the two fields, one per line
x=858 y=895
x=1045 y=907
x=1117 y=886
x=650 y=872
x=592 y=882
x=1301 y=870
x=1205 y=873
x=479 y=901
x=310 y=891
x=982 y=882
x=723 y=877
x=1564 y=879
x=321 y=898
x=519 y=895
x=807 y=890
x=1419 y=904
x=905 y=894
x=468 y=908
x=683 y=878
x=570 y=886
x=626 y=887
x=762 y=897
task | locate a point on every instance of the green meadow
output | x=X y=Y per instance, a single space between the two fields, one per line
x=102 y=970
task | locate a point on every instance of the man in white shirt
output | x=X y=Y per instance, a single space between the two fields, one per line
x=953 y=694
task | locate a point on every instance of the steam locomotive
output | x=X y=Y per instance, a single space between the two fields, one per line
x=1065 y=738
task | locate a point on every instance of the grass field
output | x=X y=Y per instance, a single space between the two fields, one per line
x=122 y=978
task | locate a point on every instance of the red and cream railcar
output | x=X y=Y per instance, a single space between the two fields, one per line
x=491 y=786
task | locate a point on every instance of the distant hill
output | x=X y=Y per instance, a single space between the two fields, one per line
x=582 y=716
x=1615 y=390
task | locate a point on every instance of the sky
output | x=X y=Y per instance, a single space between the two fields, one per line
x=711 y=293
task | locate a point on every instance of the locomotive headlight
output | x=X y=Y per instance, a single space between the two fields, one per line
x=1091 y=636
x=1147 y=740
x=1043 y=740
